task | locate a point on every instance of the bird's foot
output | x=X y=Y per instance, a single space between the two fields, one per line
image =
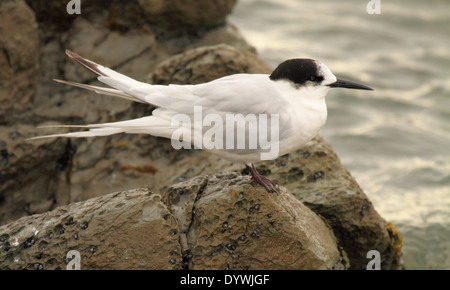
x=269 y=185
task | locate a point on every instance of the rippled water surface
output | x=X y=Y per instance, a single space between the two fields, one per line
x=395 y=141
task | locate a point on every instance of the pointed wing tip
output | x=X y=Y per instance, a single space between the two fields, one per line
x=65 y=82
x=74 y=56
x=38 y=138
x=71 y=54
x=90 y=65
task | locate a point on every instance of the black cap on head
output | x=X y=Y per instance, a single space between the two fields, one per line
x=302 y=70
x=298 y=71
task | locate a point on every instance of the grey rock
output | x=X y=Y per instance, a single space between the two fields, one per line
x=226 y=223
x=214 y=222
x=30 y=98
x=207 y=63
x=191 y=13
x=124 y=230
x=30 y=176
x=315 y=175
x=19 y=61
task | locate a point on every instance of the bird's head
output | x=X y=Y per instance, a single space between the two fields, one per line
x=311 y=75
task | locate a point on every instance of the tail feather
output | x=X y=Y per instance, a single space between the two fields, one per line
x=101 y=90
x=104 y=72
x=91 y=133
x=146 y=125
x=97 y=69
x=159 y=124
x=172 y=96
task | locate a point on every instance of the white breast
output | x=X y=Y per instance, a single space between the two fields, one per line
x=307 y=113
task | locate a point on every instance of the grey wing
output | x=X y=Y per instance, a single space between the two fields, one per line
x=245 y=93
x=251 y=110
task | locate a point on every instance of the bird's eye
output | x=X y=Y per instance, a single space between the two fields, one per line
x=316 y=79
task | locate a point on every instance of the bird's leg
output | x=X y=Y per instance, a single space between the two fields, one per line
x=268 y=184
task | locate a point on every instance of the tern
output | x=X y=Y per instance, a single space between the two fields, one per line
x=292 y=96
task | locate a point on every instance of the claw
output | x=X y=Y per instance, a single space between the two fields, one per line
x=269 y=185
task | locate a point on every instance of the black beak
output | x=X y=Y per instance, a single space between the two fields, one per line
x=349 y=85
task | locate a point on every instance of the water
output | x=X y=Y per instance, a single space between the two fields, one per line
x=395 y=141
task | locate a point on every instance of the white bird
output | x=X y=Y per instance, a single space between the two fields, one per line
x=292 y=97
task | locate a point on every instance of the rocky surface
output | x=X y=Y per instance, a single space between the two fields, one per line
x=206 y=63
x=215 y=222
x=19 y=43
x=35 y=46
x=201 y=13
x=116 y=231
x=41 y=177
